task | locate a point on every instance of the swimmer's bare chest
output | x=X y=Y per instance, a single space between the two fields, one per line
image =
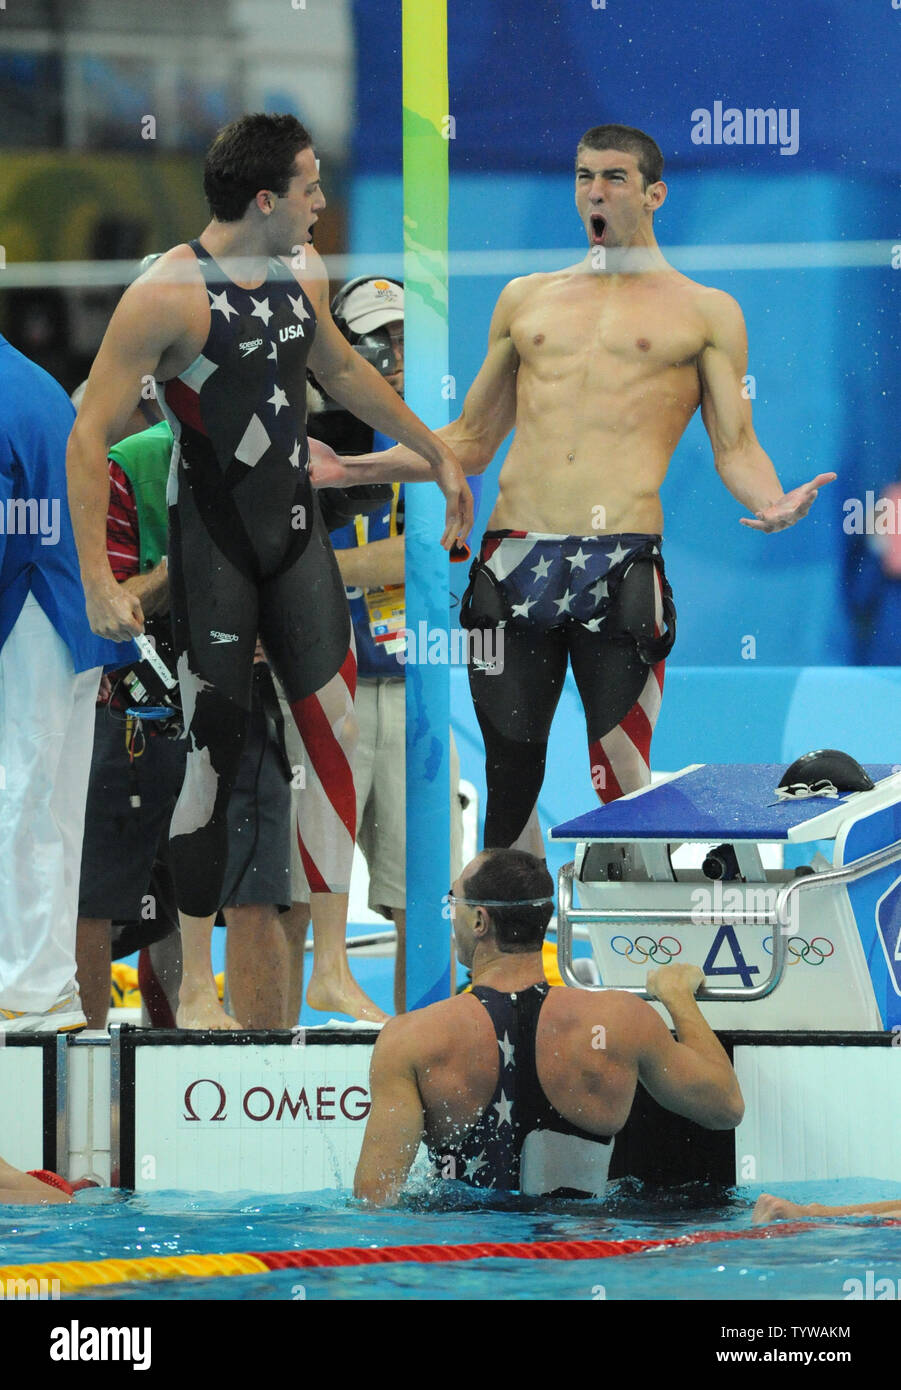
x=607 y=382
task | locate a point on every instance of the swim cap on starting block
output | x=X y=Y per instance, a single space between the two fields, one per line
x=824 y=772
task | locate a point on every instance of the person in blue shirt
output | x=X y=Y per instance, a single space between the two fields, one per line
x=50 y=669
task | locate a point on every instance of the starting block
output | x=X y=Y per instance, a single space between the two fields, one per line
x=813 y=948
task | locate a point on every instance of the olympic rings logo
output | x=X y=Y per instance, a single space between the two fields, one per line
x=814 y=947
x=666 y=949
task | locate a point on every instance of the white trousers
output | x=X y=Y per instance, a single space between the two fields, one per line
x=46 y=738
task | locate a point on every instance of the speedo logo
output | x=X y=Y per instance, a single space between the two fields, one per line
x=223 y=636
x=250 y=346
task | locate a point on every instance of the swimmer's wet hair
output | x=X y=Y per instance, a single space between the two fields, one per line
x=513 y=875
x=633 y=141
x=254 y=152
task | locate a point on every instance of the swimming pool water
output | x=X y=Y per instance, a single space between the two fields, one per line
x=809 y=1265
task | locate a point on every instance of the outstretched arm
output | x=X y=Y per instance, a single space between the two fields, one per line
x=743 y=465
x=487 y=417
x=396 y=1121
x=768 y=1208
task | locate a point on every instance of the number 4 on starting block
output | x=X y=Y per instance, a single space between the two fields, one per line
x=726 y=935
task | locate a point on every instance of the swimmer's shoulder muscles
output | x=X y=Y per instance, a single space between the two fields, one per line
x=396 y=1123
x=153 y=321
x=331 y=356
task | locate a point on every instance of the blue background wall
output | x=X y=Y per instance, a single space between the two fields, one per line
x=825 y=342
x=525 y=76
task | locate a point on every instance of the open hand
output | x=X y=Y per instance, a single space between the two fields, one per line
x=790 y=507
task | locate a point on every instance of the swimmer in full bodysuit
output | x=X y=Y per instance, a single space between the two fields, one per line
x=504 y=1083
x=226 y=325
x=599 y=367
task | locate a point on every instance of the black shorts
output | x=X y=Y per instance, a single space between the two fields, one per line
x=121 y=842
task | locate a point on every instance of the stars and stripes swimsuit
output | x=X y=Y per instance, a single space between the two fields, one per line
x=600 y=603
x=520 y=1143
x=248 y=555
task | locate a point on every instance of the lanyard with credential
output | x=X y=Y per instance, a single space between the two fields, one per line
x=385 y=607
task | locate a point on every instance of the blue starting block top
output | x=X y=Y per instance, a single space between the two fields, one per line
x=719 y=801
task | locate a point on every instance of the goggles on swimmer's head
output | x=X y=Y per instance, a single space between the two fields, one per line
x=499 y=902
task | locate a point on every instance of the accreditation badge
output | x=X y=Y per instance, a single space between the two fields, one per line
x=387 y=613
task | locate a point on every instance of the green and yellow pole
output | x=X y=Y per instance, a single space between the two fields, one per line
x=425 y=108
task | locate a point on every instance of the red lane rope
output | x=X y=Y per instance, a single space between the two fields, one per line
x=78 y=1274
x=510 y=1250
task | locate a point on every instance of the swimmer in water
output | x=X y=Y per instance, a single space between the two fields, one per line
x=518 y=1086
x=768 y=1208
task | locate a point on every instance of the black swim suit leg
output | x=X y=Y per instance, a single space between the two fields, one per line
x=515 y=706
x=215 y=636
x=620 y=693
